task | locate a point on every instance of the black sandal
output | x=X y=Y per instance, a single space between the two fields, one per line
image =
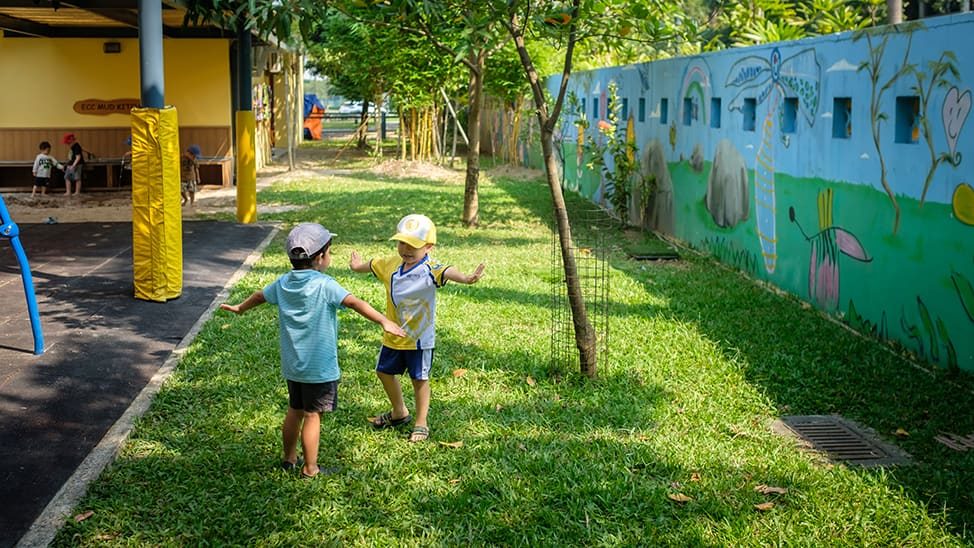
x=385 y=420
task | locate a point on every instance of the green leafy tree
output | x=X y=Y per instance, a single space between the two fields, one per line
x=565 y=25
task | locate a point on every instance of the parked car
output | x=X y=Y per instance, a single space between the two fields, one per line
x=355 y=107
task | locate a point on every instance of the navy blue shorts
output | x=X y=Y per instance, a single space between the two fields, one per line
x=397 y=362
x=319 y=397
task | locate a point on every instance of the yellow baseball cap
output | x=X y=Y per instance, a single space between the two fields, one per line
x=416 y=230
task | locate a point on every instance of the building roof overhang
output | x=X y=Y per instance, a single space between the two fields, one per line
x=95 y=19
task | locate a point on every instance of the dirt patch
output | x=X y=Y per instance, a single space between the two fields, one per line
x=116 y=206
x=516 y=173
x=417 y=170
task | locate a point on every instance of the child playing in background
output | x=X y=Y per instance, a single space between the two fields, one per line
x=308 y=301
x=189 y=174
x=75 y=166
x=411 y=279
x=43 y=164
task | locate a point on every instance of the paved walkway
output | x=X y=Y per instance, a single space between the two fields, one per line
x=102 y=345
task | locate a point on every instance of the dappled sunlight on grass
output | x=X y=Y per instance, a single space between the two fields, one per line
x=700 y=363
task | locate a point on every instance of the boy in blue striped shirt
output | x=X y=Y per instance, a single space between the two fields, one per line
x=308 y=301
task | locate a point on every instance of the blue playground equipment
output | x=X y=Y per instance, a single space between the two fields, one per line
x=9 y=230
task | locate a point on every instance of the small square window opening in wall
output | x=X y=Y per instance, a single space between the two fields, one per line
x=842 y=117
x=750 y=113
x=642 y=109
x=908 y=119
x=789 y=115
x=664 y=107
x=715 y=112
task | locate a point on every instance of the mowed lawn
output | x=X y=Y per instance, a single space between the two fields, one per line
x=667 y=447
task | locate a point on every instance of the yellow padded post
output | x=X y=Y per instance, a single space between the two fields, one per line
x=157 y=235
x=246 y=167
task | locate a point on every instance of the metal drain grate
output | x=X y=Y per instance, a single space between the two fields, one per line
x=843 y=440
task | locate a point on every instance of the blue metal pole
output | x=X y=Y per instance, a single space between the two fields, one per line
x=10 y=230
x=150 y=54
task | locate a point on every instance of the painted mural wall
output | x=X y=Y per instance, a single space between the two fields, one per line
x=839 y=169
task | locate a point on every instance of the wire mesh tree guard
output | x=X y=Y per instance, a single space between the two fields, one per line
x=591 y=230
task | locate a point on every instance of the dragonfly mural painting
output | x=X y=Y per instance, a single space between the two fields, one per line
x=770 y=80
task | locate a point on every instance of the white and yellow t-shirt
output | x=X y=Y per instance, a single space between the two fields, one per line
x=410 y=300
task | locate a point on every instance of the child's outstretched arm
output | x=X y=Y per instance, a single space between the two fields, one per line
x=357 y=264
x=256 y=298
x=369 y=313
x=455 y=275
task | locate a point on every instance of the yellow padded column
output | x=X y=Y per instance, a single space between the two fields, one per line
x=157 y=234
x=246 y=167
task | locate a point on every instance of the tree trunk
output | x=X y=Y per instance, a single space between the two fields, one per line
x=363 y=121
x=584 y=333
x=471 y=206
x=894 y=10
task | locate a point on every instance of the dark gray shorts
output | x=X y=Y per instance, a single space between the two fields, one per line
x=313 y=397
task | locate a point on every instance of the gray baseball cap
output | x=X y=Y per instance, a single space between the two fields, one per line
x=306 y=239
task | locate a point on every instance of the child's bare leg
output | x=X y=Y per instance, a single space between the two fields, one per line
x=289 y=433
x=310 y=436
x=394 y=392
x=77 y=186
x=33 y=191
x=421 y=390
x=67 y=186
x=183 y=198
x=192 y=198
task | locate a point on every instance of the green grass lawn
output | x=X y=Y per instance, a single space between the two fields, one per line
x=701 y=362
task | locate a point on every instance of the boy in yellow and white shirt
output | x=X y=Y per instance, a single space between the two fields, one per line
x=411 y=279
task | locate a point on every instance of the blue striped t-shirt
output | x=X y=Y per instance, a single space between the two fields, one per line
x=307 y=302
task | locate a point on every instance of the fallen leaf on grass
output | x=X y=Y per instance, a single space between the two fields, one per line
x=498 y=408
x=530 y=380
x=901 y=433
x=107 y=536
x=225 y=326
x=675 y=485
x=454 y=481
x=453 y=444
x=522 y=447
x=679 y=497
x=764 y=506
x=459 y=372
x=83 y=516
x=695 y=476
x=768 y=490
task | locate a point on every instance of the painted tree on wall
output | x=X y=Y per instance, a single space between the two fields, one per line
x=952 y=111
x=877 y=40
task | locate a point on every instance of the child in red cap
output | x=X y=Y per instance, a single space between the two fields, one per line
x=75 y=166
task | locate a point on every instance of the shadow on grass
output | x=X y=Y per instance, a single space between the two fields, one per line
x=807 y=364
x=561 y=462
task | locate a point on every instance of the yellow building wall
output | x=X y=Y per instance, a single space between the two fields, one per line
x=52 y=74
